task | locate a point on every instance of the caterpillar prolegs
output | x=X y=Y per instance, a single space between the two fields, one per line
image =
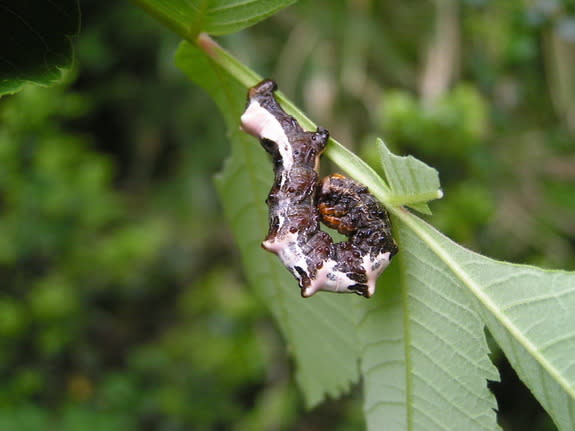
x=298 y=201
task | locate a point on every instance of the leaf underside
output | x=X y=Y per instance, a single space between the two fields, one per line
x=528 y=310
x=425 y=359
x=35 y=42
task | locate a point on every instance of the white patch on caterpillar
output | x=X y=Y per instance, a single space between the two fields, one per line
x=289 y=252
x=373 y=268
x=329 y=279
x=259 y=122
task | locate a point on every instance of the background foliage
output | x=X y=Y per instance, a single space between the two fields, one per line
x=121 y=306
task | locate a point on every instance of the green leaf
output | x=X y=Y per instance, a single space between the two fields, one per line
x=528 y=310
x=412 y=182
x=320 y=332
x=383 y=367
x=427 y=368
x=216 y=17
x=35 y=42
x=421 y=342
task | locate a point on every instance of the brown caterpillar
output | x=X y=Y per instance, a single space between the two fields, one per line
x=298 y=201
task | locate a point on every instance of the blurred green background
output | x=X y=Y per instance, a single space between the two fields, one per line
x=122 y=302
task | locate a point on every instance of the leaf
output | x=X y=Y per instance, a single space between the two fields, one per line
x=35 y=38
x=383 y=367
x=450 y=293
x=320 y=331
x=428 y=368
x=189 y=18
x=424 y=358
x=412 y=182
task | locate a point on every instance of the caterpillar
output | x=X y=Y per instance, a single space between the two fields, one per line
x=298 y=201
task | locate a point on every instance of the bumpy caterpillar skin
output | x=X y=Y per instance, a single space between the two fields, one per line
x=298 y=202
